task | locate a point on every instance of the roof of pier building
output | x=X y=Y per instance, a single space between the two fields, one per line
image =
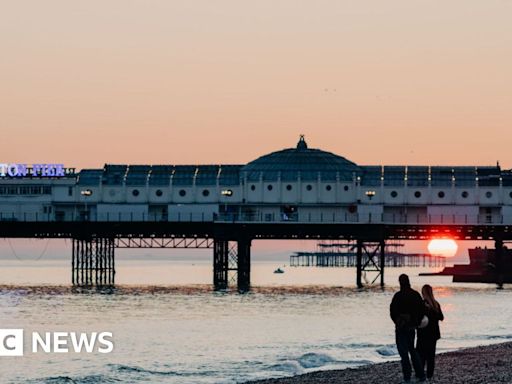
x=300 y=162
x=292 y=164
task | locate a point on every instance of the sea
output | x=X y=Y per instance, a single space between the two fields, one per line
x=169 y=326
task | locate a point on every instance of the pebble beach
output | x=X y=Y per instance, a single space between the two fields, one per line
x=479 y=365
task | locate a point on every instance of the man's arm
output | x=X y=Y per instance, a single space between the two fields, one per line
x=393 y=310
x=422 y=310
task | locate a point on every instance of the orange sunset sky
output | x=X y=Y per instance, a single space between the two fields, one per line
x=161 y=81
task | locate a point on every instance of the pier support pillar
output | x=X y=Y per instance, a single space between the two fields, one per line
x=92 y=262
x=359 y=263
x=382 y=261
x=498 y=260
x=244 y=265
x=232 y=264
x=370 y=257
x=220 y=264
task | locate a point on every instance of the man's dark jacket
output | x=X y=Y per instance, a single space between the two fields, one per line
x=407 y=308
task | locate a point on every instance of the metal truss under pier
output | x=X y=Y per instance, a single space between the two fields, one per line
x=374 y=261
x=93 y=263
x=163 y=242
x=93 y=259
x=232 y=264
x=393 y=260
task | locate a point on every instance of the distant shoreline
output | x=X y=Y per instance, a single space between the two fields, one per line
x=484 y=364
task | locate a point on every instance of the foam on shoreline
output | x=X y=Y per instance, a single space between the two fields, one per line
x=484 y=364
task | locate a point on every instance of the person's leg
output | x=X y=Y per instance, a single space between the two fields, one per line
x=415 y=358
x=401 y=338
x=431 y=358
x=420 y=348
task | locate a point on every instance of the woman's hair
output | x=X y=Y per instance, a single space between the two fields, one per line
x=428 y=296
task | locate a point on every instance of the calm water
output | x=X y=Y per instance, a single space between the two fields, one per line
x=185 y=333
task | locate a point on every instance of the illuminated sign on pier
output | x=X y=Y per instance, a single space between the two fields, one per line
x=34 y=170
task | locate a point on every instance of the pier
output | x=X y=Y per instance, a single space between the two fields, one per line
x=292 y=194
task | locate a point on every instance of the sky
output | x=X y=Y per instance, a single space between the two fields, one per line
x=191 y=82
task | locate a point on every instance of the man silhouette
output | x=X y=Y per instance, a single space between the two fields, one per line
x=407 y=310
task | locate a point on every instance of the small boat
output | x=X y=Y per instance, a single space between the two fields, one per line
x=279 y=270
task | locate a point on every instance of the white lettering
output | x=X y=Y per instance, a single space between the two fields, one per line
x=46 y=343
x=60 y=342
x=12 y=170
x=3 y=170
x=78 y=343
x=11 y=342
x=59 y=170
x=107 y=343
x=36 y=170
x=22 y=170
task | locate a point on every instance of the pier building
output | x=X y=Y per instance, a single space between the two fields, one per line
x=294 y=193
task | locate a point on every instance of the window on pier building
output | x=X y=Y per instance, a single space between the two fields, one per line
x=289 y=176
x=229 y=175
x=506 y=179
x=90 y=177
x=271 y=176
x=441 y=176
x=25 y=190
x=207 y=174
x=137 y=175
x=328 y=176
x=372 y=176
x=309 y=175
x=114 y=174
x=464 y=176
x=488 y=176
x=160 y=175
x=184 y=175
x=418 y=176
x=394 y=175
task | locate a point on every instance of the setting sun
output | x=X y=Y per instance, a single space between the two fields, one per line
x=442 y=247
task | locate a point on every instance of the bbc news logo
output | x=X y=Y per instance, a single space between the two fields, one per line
x=12 y=342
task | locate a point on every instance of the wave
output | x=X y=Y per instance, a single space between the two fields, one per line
x=387 y=350
x=359 y=345
x=498 y=337
x=139 y=370
x=290 y=367
x=91 y=379
x=315 y=360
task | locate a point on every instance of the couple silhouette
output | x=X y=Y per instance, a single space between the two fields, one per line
x=414 y=314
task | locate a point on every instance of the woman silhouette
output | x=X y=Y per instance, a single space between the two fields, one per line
x=428 y=336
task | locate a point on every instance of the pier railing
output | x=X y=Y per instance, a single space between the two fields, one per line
x=268 y=218
x=369 y=218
